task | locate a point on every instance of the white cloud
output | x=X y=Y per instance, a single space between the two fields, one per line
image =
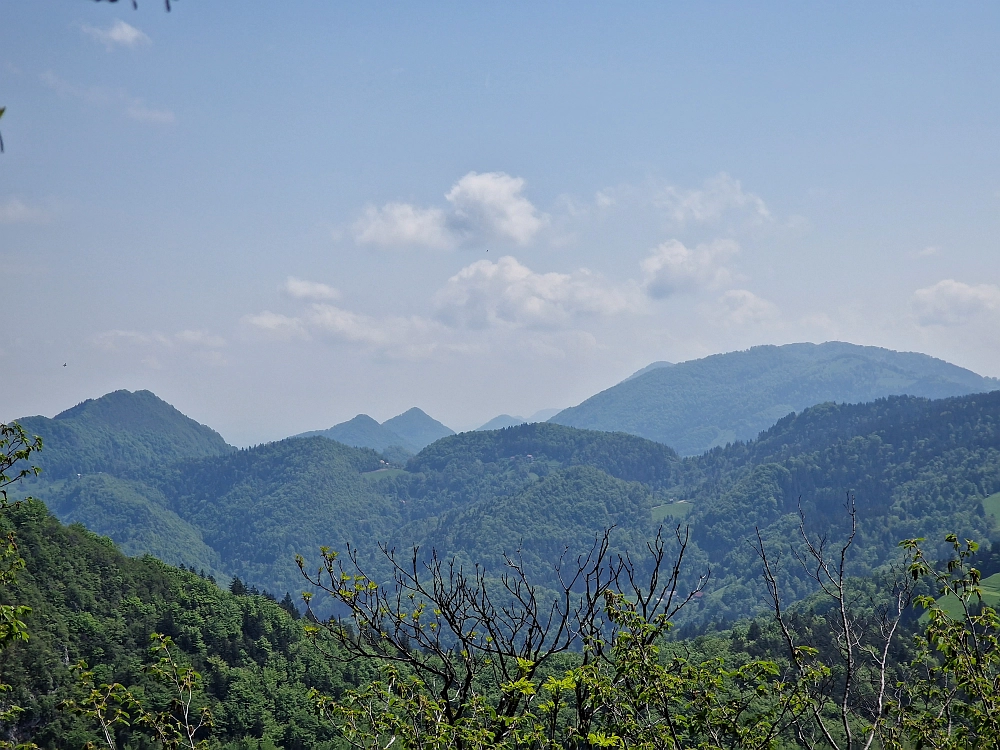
x=484 y=206
x=492 y=201
x=140 y=112
x=394 y=333
x=118 y=339
x=310 y=290
x=951 y=302
x=119 y=33
x=507 y=293
x=392 y=336
x=16 y=211
x=928 y=252
x=277 y=325
x=604 y=199
x=99 y=96
x=718 y=196
x=397 y=224
x=200 y=338
x=740 y=307
x=673 y=268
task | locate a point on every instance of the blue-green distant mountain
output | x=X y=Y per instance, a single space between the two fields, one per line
x=417 y=428
x=649 y=368
x=697 y=405
x=363 y=432
x=412 y=430
x=506 y=420
x=501 y=421
x=918 y=467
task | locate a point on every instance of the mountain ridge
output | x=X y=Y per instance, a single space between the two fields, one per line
x=700 y=404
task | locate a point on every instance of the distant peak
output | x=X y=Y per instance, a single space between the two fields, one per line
x=360 y=419
x=649 y=368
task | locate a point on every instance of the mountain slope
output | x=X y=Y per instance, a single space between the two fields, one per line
x=257 y=508
x=90 y=602
x=417 y=428
x=696 y=405
x=363 y=432
x=915 y=468
x=501 y=421
x=118 y=434
x=135 y=516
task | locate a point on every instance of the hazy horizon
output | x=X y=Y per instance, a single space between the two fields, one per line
x=276 y=217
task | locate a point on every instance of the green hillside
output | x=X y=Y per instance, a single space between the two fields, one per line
x=119 y=434
x=135 y=515
x=257 y=508
x=89 y=601
x=697 y=405
x=917 y=467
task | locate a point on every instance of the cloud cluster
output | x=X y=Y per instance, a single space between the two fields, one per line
x=310 y=290
x=482 y=207
x=741 y=307
x=400 y=224
x=508 y=294
x=392 y=336
x=505 y=300
x=504 y=295
x=117 y=339
x=203 y=345
x=950 y=302
x=118 y=34
x=673 y=268
x=719 y=196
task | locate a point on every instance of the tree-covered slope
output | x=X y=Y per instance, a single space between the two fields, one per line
x=118 y=434
x=135 y=515
x=500 y=421
x=257 y=508
x=89 y=601
x=562 y=512
x=916 y=467
x=417 y=428
x=696 y=405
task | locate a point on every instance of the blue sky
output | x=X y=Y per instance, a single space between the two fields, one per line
x=281 y=215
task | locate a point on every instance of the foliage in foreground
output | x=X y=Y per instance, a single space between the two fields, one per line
x=472 y=662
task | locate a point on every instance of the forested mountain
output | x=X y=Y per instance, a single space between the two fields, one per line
x=89 y=601
x=417 y=428
x=409 y=432
x=500 y=421
x=648 y=368
x=506 y=420
x=697 y=405
x=363 y=432
x=119 y=434
x=918 y=467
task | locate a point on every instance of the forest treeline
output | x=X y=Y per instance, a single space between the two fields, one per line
x=918 y=468
x=439 y=651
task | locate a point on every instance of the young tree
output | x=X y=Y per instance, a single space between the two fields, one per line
x=16 y=448
x=471 y=660
x=848 y=707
